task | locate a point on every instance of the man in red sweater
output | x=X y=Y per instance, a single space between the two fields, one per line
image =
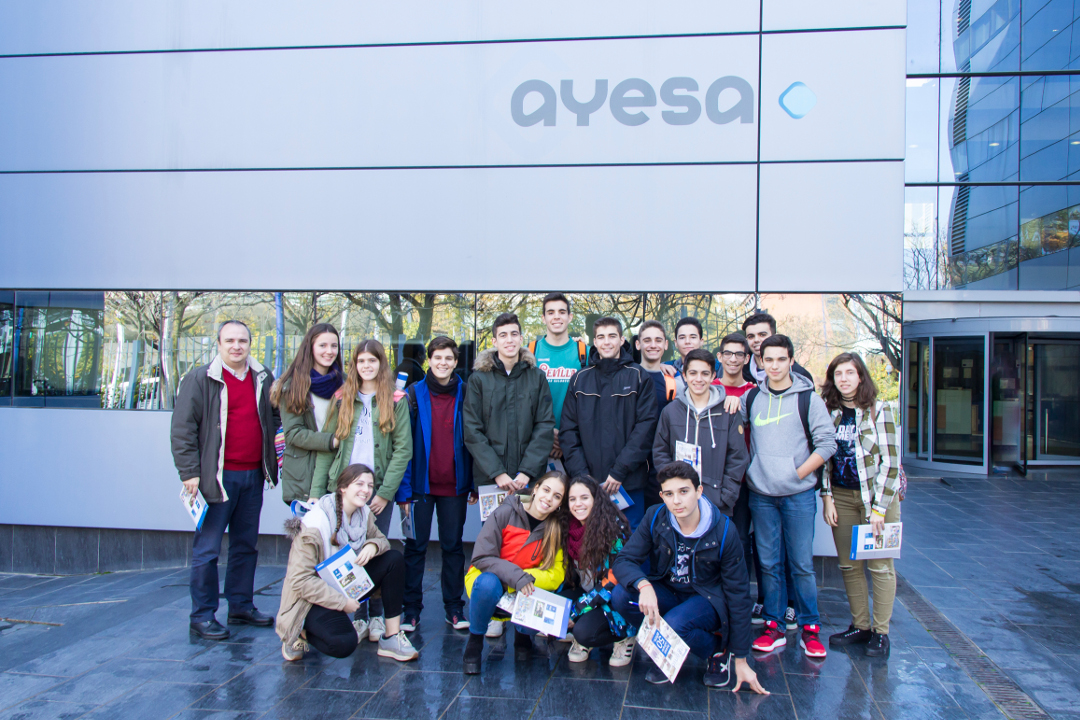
x=223 y=427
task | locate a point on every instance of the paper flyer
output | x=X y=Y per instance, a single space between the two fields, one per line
x=622 y=499
x=689 y=453
x=408 y=524
x=491 y=496
x=194 y=505
x=664 y=646
x=556 y=465
x=341 y=572
x=867 y=546
x=543 y=611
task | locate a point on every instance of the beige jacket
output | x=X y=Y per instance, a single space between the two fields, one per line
x=302 y=586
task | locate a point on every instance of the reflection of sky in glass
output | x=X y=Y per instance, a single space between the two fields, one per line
x=922 y=130
x=923 y=28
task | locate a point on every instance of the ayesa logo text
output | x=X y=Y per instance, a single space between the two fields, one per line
x=636 y=93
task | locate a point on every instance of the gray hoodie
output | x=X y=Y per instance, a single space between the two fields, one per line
x=717 y=433
x=777 y=441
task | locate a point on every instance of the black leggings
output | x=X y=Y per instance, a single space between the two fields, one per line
x=591 y=630
x=332 y=633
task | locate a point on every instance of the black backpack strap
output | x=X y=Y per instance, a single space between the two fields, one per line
x=804 y=415
x=410 y=393
x=753 y=393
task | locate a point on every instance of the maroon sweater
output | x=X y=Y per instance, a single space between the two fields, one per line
x=441 y=480
x=243 y=432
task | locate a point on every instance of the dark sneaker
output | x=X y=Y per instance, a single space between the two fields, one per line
x=457 y=621
x=810 y=643
x=655 y=675
x=878 y=645
x=409 y=622
x=851 y=636
x=791 y=619
x=718 y=673
x=771 y=638
x=755 y=616
x=470 y=661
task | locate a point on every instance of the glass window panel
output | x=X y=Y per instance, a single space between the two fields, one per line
x=1049 y=239
x=982 y=238
x=719 y=314
x=1046 y=123
x=1057 y=411
x=925 y=250
x=918 y=389
x=1047 y=35
x=7 y=344
x=920 y=163
x=923 y=35
x=59 y=339
x=980 y=36
x=979 y=129
x=1006 y=400
x=133 y=376
x=958 y=400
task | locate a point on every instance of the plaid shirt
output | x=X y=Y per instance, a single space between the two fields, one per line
x=877 y=456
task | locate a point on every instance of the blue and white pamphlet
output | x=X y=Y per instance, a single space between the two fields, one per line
x=341 y=572
x=867 y=546
x=491 y=497
x=543 y=611
x=664 y=646
x=408 y=523
x=195 y=506
x=622 y=499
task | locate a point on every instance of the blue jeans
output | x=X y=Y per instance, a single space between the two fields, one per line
x=240 y=514
x=635 y=512
x=785 y=525
x=486 y=591
x=690 y=615
x=451 y=513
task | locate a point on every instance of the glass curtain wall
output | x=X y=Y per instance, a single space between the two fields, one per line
x=127 y=350
x=993 y=145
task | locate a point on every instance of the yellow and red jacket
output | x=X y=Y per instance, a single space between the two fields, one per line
x=507 y=547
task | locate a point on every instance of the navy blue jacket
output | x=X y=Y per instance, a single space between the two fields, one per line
x=415 y=482
x=717 y=569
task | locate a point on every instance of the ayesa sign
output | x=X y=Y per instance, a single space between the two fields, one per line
x=677 y=93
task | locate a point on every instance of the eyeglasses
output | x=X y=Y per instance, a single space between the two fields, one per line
x=727 y=355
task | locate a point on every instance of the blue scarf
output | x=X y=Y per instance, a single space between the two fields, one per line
x=326 y=385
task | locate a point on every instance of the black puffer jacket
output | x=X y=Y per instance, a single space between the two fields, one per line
x=717 y=569
x=608 y=421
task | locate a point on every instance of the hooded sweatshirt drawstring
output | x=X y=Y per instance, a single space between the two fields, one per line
x=697 y=426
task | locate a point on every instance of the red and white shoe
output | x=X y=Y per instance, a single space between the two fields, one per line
x=772 y=638
x=810 y=643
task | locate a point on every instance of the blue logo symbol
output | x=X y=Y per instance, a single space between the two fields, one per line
x=798 y=100
x=661 y=644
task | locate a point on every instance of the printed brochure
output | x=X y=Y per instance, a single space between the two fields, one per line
x=867 y=546
x=491 y=496
x=195 y=506
x=341 y=572
x=664 y=646
x=555 y=465
x=543 y=611
x=408 y=524
x=622 y=499
x=689 y=453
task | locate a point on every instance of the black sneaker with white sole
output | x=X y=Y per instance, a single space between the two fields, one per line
x=878 y=645
x=756 y=617
x=409 y=623
x=718 y=672
x=791 y=619
x=851 y=636
x=655 y=675
x=457 y=621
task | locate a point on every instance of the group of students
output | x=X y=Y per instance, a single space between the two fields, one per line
x=721 y=477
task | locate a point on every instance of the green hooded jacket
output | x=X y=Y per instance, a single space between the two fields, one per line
x=392 y=452
x=303 y=442
x=509 y=423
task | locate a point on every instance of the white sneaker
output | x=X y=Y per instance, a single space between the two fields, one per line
x=495 y=629
x=623 y=652
x=294 y=652
x=397 y=647
x=376 y=629
x=361 y=629
x=578 y=653
x=569 y=637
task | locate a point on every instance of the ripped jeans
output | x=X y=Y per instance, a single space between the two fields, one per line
x=850 y=511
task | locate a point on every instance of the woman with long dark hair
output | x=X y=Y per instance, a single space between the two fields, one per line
x=596 y=534
x=520 y=547
x=859 y=487
x=314 y=613
x=371 y=424
x=303 y=395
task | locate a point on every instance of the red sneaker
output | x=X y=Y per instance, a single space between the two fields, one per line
x=771 y=638
x=810 y=643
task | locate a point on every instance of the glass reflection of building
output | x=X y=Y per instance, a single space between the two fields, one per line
x=992 y=204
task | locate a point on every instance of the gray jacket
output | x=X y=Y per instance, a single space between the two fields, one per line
x=199 y=426
x=719 y=435
x=778 y=443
